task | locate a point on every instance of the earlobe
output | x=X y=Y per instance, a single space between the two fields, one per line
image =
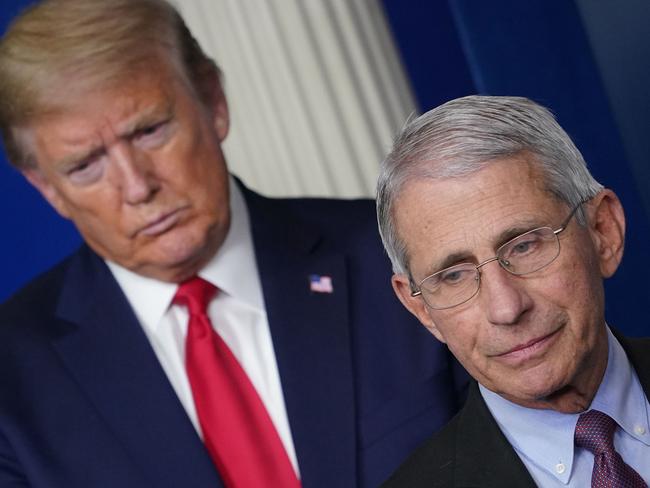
x=47 y=190
x=415 y=305
x=607 y=227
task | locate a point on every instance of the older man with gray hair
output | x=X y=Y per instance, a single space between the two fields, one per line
x=500 y=239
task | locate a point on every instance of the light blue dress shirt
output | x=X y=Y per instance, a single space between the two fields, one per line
x=543 y=439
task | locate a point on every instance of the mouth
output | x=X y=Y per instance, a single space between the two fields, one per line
x=161 y=223
x=525 y=351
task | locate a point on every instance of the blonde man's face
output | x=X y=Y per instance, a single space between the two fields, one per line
x=139 y=170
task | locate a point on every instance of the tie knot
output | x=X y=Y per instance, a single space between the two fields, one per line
x=195 y=294
x=595 y=431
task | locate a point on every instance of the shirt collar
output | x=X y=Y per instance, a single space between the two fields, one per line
x=232 y=269
x=619 y=395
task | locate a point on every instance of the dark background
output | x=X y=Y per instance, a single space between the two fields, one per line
x=587 y=60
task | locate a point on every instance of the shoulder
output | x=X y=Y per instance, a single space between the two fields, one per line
x=325 y=212
x=37 y=297
x=345 y=220
x=637 y=350
x=31 y=307
x=430 y=465
x=349 y=225
x=27 y=326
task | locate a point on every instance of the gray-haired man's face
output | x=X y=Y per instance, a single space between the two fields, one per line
x=524 y=337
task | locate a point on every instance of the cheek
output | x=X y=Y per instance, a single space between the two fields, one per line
x=461 y=334
x=99 y=213
x=200 y=171
x=578 y=289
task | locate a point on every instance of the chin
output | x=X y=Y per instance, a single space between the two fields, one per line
x=542 y=392
x=174 y=261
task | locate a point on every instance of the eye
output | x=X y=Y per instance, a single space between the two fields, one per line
x=526 y=245
x=455 y=276
x=152 y=135
x=522 y=247
x=87 y=170
x=148 y=131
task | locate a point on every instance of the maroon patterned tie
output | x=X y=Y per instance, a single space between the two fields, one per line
x=595 y=432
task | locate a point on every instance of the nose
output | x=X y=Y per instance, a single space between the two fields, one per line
x=504 y=299
x=135 y=174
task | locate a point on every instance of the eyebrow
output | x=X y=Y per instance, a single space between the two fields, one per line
x=146 y=118
x=512 y=232
x=450 y=260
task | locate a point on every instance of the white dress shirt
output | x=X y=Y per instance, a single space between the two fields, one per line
x=543 y=439
x=237 y=313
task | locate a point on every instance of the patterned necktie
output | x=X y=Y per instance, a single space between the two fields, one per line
x=237 y=430
x=595 y=432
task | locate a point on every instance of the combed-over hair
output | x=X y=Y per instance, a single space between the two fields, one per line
x=464 y=135
x=57 y=48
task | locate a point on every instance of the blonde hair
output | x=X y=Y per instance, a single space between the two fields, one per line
x=56 y=48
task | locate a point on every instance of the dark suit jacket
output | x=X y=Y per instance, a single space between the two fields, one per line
x=84 y=402
x=471 y=451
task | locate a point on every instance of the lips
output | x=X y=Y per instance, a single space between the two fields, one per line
x=530 y=348
x=161 y=223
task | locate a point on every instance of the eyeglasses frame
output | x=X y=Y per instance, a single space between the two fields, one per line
x=417 y=289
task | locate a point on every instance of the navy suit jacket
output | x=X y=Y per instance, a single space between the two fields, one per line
x=471 y=451
x=85 y=403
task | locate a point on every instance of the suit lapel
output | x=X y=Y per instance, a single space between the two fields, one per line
x=484 y=457
x=107 y=352
x=311 y=339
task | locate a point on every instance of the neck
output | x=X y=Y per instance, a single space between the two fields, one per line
x=576 y=397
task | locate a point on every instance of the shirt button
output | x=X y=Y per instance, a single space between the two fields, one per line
x=639 y=430
x=560 y=468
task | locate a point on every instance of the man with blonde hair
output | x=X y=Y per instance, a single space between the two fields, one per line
x=500 y=240
x=203 y=335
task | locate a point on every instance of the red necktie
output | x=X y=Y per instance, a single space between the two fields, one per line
x=595 y=432
x=237 y=429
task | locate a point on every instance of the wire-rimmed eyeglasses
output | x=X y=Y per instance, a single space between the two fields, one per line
x=524 y=254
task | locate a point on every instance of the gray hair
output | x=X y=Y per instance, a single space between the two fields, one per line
x=464 y=135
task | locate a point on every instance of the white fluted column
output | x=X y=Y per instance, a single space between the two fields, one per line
x=315 y=87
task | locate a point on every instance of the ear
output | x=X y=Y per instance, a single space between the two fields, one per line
x=220 y=113
x=49 y=191
x=607 y=229
x=415 y=305
x=213 y=96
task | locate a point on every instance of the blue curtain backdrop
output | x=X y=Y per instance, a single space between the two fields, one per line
x=450 y=48
x=33 y=236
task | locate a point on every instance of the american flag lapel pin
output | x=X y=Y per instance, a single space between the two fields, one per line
x=320 y=284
